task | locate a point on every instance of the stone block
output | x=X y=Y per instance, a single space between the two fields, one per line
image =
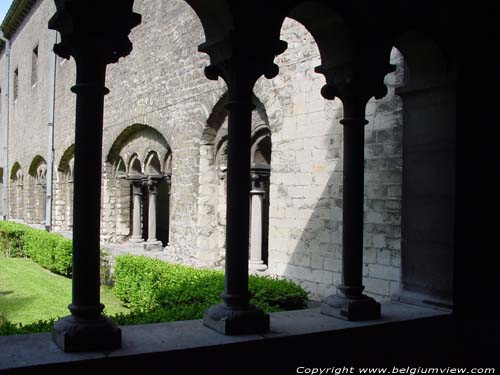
x=377 y=286
x=384 y=272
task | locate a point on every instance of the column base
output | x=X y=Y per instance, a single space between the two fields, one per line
x=153 y=245
x=80 y=335
x=361 y=308
x=136 y=240
x=255 y=265
x=231 y=321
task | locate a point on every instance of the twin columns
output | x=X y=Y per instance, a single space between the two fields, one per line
x=151 y=184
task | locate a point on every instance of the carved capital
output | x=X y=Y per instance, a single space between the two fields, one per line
x=151 y=183
x=356 y=80
x=240 y=64
x=259 y=174
x=94 y=29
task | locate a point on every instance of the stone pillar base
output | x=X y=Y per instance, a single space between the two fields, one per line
x=230 y=321
x=361 y=308
x=80 y=335
x=136 y=239
x=255 y=265
x=153 y=245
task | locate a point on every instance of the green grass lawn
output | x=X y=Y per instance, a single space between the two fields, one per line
x=29 y=293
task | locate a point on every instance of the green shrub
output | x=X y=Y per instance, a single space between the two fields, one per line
x=49 y=250
x=12 y=239
x=146 y=284
x=8 y=328
x=182 y=312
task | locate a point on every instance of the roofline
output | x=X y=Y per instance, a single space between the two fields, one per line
x=16 y=14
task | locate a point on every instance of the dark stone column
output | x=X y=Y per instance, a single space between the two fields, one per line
x=95 y=35
x=240 y=68
x=354 y=84
x=236 y=315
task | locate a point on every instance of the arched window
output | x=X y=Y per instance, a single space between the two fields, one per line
x=37 y=189
x=141 y=187
x=16 y=192
x=63 y=218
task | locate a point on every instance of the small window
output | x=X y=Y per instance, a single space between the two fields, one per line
x=16 y=83
x=34 y=66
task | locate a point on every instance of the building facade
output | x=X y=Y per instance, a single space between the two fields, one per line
x=164 y=152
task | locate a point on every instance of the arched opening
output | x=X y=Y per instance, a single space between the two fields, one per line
x=120 y=188
x=134 y=166
x=141 y=187
x=260 y=197
x=63 y=218
x=16 y=192
x=37 y=190
x=213 y=182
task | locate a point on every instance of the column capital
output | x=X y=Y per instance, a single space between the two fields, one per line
x=94 y=30
x=354 y=82
x=240 y=62
x=259 y=173
x=151 y=183
x=135 y=180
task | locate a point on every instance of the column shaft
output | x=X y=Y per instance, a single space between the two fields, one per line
x=351 y=303
x=256 y=263
x=237 y=209
x=90 y=92
x=352 y=212
x=236 y=315
x=152 y=214
x=136 y=212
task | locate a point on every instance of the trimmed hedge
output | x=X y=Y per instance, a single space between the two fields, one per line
x=183 y=312
x=50 y=250
x=146 y=284
x=12 y=239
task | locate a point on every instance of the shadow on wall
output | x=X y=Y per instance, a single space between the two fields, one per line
x=306 y=199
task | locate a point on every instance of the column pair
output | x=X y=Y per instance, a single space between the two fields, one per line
x=151 y=184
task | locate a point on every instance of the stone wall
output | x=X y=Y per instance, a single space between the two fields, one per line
x=161 y=86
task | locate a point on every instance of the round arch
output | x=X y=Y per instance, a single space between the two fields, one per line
x=128 y=135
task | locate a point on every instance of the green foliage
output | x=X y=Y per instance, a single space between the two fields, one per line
x=8 y=328
x=146 y=284
x=182 y=312
x=51 y=251
x=12 y=239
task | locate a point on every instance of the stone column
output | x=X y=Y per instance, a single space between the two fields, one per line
x=152 y=243
x=95 y=38
x=136 y=211
x=240 y=69
x=257 y=213
x=354 y=83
